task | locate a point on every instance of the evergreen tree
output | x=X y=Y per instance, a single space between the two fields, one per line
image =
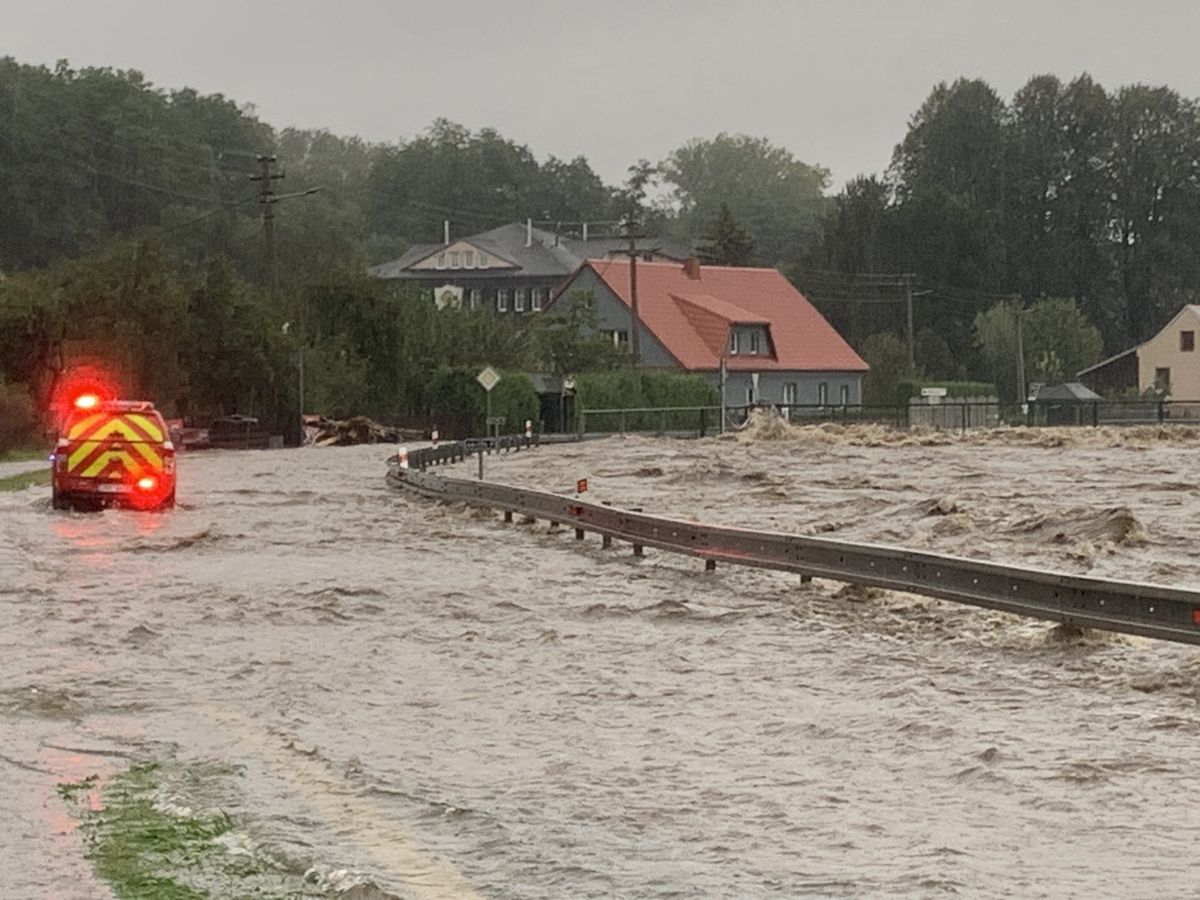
x=728 y=243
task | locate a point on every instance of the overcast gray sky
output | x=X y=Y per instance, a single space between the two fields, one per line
x=835 y=82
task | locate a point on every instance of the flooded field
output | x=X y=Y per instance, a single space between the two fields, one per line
x=378 y=690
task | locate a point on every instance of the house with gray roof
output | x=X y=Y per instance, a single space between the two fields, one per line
x=512 y=270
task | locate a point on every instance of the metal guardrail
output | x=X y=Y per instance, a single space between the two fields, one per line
x=457 y=451
x=1129 y=607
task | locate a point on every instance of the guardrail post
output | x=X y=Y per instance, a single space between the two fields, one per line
x=508 y=515
x=805 y=579
x=1095 y=413
x=703 y=420
x=662 y=423
x=606 y=541
x=580 y=415
x=1162 y=411
x=579 y=534
x=710 y=565
x=638 y=550
x=621 y=421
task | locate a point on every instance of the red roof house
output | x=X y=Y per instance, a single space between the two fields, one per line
x=775 y=345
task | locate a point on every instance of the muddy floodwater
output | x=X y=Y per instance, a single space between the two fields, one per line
x=425 y=699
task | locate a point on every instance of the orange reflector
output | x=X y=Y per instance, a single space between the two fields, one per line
x=147 y=483
x=1196 y=615
x=86 y=401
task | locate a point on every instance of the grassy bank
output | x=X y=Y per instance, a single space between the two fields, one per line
x=152 y=836
x=25 y=479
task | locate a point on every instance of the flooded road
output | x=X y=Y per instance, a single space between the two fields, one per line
x=427 y=699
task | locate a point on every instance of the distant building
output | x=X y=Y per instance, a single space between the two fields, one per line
x=513 y=270
x=1168 y=362
x=776 y=347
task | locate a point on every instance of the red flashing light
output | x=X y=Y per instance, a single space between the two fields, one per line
x=147 y=483
x=86 y=401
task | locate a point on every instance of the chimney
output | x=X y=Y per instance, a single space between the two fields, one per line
x=691 y=268
x=529 y=232
x=446 y=231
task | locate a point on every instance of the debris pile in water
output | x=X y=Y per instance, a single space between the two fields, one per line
x=356 y=430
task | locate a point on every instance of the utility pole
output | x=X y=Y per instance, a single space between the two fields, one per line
x=1021 y=393
x=908 y=302
x=266 y=199
x=632 y=251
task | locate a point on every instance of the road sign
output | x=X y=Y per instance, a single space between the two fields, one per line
x=498 y=421
x=489 y=378
x=933 y=392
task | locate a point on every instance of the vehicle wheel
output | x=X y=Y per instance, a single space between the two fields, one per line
x=59 y=500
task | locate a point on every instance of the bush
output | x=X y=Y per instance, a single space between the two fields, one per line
x=454 y=393
x=628 y=389
x=911 y=387
x=19 y=425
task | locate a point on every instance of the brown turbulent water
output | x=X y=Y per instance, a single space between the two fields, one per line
x=554 y=720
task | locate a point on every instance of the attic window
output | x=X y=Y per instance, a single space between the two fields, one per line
x=733 y=343
x=454 y=259
x=441 y=260
x=483 y=260
x=468 y=259
x=1187 y=341
x=754 y=342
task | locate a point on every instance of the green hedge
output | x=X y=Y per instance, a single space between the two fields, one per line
x=911 y=387
x=19 y=424
x=455 y=392
x=628 y=389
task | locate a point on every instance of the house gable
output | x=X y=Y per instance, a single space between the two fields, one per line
x=1172 y=357
x=461 y=255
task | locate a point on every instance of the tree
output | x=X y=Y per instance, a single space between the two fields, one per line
x=779 y=199
x=728 y=244
x=1058 y=341
x=565 y=341
x=887 y=355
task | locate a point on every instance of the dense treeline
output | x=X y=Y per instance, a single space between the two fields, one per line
x=1067 y=191
x=130 y=217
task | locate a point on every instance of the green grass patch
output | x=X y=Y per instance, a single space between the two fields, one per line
x=25 y=479
x=21 y=454
x=156 y=835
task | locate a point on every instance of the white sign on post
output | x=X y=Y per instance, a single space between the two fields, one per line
x=489 y=378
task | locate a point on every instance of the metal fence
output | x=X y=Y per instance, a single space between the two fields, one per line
x=951 y=414
x=1124 y=606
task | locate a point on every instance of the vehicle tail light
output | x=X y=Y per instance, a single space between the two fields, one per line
x=147 y=483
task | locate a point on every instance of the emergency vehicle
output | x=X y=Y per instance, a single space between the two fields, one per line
x=113 y=453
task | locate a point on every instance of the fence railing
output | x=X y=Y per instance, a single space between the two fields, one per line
x=1125 y=606
x=951 y=414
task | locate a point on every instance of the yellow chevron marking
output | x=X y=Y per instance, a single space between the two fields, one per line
x=103 y=460
x=148 y=425
x=147 y=452
x=83 y=426
x=80 y=453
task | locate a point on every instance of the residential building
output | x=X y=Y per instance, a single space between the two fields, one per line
x=1168 y=363
x=512 y=270
x=775 y=346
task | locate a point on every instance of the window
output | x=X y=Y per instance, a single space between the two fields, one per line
x=789 y=393
x=441 y=260
x=1162 y=380
x=476 y=297
x=1187 y=341
x=502 y=300
x=754 y=342
x=539 y=297
x=468 y=259
x=620 y=338
x=844 y=392
x=483 y=260
x=519 y=300
x=733 y=342
x=454 y=259
x=822 y=394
